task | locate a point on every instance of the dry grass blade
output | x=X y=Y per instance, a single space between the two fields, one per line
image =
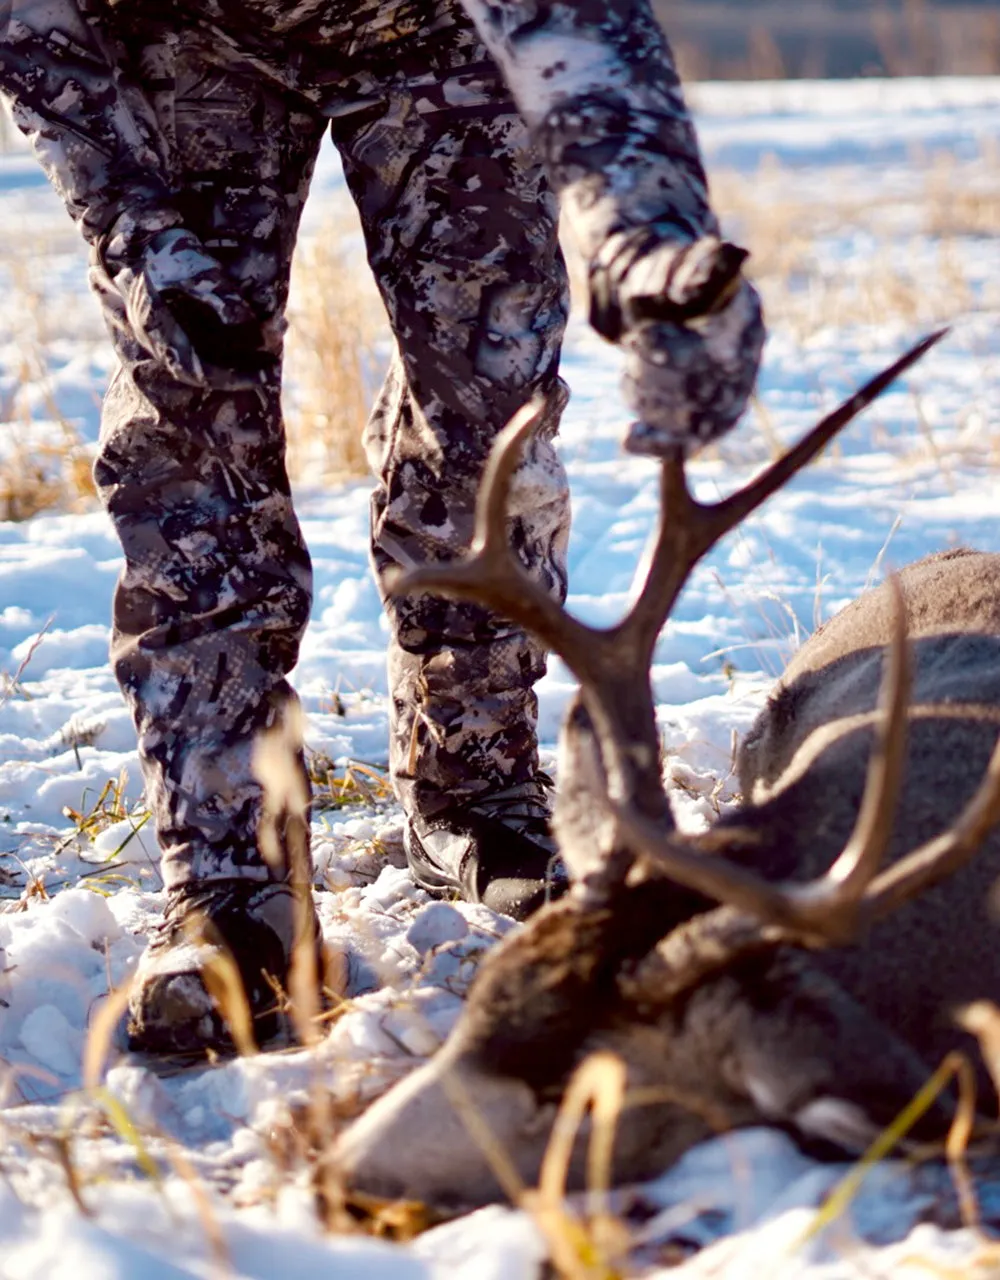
x=597 y=1085
x=283 y=837
x=277 y=766
x=11 y=1075
x=100 y=1034
x=304 y=977
x=982 y=1020
x=503 y=1167
x=337 y=786
x=110 y=808
x=64 y=1154
x=12 y=683
x=221 y=976
x=955 y=1067
x=185 y=1170
x=125 y=1127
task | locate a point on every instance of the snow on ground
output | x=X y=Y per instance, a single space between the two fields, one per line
x=918 y=473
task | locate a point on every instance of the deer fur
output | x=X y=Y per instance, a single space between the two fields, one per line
x=802 y=770
x=722 y=1016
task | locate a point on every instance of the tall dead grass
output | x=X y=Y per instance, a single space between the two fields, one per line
x=921 y=39
x=336 y=352
x=40 y=467
x=826 y=253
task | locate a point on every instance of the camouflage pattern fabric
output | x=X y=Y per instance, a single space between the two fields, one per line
x=597 y=83
x=216 y=589
x=182 y=137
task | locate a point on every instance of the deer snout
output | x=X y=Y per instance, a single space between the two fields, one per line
x=440 y=1136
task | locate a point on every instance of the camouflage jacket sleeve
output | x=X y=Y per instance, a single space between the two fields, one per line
x=596 y=82
x=93 y=132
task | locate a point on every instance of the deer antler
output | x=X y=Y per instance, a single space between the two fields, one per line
x=689 y=529
x=612 y=664
x=491 y=574
x=836 y=908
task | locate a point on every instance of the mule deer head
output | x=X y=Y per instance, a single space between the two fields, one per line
x=697 y=961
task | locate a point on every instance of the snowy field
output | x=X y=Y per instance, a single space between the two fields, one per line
x=199 y=1174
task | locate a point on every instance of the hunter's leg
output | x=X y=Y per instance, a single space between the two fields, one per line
x=461 y=234
x=215 y=591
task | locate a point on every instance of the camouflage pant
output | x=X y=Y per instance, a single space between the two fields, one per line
x=215 y=593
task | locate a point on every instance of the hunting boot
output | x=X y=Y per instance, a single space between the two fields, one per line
x=496 y=849
x=224 y=950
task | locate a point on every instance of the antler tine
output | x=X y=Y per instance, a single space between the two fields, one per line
x=737 y=507
x=945 y=854
x=490 y=572
x=491 y=503
x=865 y=851
x=832 y=909
x=689 y=529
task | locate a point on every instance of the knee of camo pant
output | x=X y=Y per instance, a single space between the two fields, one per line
x=196 y=485
x=228 y=788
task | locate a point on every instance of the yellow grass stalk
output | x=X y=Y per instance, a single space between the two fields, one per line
x=955 y=1067
x=100 y=1033
x=221 y=976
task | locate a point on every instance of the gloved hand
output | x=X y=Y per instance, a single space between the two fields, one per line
x=183 y=308
x=692 y=330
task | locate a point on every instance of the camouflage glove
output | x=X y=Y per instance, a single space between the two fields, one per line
x=692 y=331
x=182 y=307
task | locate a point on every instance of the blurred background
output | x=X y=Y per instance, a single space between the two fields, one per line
x=785 y=39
